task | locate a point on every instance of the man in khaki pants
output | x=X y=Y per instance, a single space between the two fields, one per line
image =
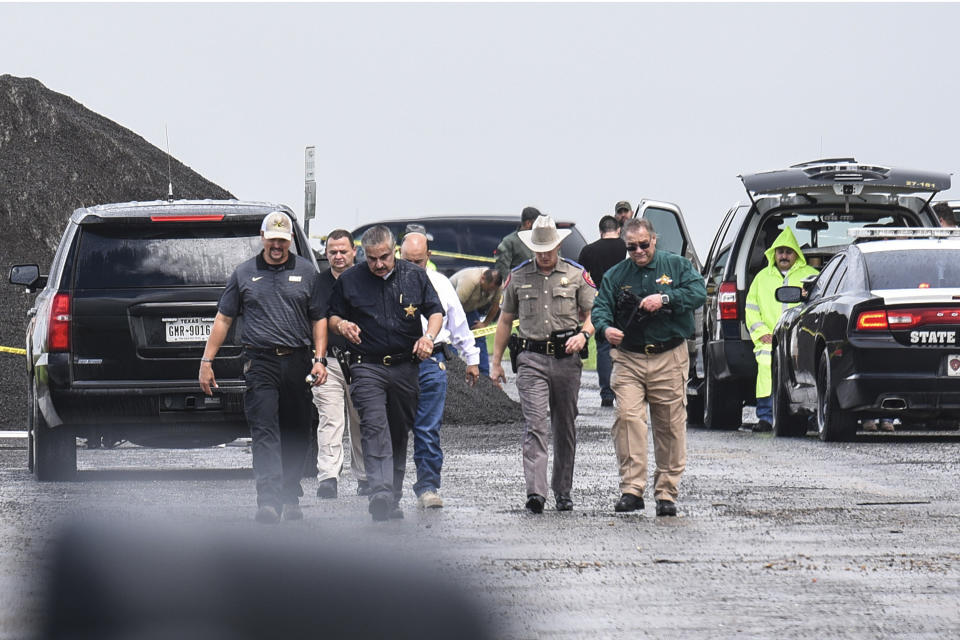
x=645 y=310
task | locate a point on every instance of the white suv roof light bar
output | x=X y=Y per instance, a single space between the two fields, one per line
x=904 y=232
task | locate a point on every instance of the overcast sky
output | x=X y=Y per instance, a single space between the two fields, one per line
x=486 y=108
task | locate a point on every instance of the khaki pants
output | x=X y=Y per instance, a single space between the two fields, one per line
x=332 y=400
x=661 y=380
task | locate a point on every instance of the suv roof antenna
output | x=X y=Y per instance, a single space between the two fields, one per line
x=166 y=131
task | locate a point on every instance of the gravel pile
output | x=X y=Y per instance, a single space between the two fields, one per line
x=56 y=155
x=482 y=403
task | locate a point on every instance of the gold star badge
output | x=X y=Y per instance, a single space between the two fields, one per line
x=411 y=310
x=664 y=279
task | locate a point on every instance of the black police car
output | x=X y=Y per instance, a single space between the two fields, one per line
x=878 y=335
x=820 y=200
x=116 y=334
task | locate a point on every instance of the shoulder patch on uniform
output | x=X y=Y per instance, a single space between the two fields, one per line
x=588 y=279
x=507 y=281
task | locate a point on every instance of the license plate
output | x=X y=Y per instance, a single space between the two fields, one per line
x=953 y=364
x=188 y=329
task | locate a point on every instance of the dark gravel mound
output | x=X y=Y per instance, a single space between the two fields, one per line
x=483 y=403
x=56 y=155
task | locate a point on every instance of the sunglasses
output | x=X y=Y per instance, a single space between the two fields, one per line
x=640 y=245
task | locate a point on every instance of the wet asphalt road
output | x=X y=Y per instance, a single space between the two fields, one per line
x=776 y=538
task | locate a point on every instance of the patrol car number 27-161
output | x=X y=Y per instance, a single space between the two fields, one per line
x=876 y=336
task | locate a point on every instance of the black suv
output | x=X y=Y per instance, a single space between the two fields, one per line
x=115 y=337
x=470 y=241
x=820 y=200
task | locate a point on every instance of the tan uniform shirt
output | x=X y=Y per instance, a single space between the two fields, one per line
x=545 y=304
x=472 y=296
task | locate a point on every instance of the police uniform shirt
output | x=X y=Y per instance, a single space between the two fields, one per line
x=387 y=310
x=279 y=303
x=548 y=303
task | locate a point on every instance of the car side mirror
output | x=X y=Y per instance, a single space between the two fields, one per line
x=789 y=294
x=27 y=275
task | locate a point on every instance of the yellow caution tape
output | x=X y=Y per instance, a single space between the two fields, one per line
x=19 y=352
x=486 y=331
x=462 y=256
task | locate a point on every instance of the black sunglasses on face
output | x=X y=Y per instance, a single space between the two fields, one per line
x=640 y=245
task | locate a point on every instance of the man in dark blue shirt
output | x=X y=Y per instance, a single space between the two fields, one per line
x=278 y=295
x=377 y=306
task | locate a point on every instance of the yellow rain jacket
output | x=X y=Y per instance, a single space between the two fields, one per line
x=762 y=308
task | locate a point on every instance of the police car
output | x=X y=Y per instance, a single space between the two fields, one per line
x=878 y=335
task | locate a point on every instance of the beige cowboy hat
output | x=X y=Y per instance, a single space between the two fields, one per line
x=543 y=236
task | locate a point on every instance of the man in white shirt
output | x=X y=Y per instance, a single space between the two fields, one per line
x=427 y=454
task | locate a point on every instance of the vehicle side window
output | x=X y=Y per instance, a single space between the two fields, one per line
x=669 y=236
x=719 y=266
x=837 y=280
x=824 y=280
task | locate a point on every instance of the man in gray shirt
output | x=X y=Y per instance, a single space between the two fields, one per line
x=278 y=295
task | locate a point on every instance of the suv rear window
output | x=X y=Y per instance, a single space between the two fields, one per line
x=163 y=254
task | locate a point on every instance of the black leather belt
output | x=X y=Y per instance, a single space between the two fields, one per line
x=388 y=360
x=276 y=350
x=546 y=347
x=655 y=347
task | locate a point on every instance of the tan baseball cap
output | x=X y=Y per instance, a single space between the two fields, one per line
x=277 y=224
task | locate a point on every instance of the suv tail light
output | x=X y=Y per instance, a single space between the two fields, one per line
x=727 y=300
x=58 y=332
x=900 y=319
x=217 y=217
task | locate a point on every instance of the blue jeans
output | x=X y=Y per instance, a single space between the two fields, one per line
x=765 y=409
x=427 y=454
x=604 y=365
x=476 y=316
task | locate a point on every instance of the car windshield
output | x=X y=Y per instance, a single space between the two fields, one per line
x=163 y=254
x=913 y=269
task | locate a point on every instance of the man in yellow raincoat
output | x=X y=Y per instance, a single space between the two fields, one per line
x=786 y=266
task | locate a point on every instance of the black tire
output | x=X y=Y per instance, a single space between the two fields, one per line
x=833 y=423
x=54 y=450
x=722 y=406
x=785 y=424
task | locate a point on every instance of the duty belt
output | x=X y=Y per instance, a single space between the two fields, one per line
x=655 y=347
x=388 y=360
x=546 y=347
x=276 y=350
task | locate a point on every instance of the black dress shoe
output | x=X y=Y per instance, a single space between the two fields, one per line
x=628 y=502
x=762 y=426
x=666 y=508
x=564 y=503
x=327 y=488
x=380 y=507
x=363 y=488
x=535 y=503
x=396 y=513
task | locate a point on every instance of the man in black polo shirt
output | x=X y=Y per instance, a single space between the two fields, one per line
x=596 y=258
x=278 y=295
x=377 y=307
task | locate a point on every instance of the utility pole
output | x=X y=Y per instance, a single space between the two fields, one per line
x=310 y=189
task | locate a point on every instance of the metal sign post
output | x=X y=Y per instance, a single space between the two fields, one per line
x=310 y=187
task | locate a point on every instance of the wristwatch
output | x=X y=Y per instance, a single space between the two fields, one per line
x=430 y=337
x=321 y=360
x=664 y=299
x=586 y=334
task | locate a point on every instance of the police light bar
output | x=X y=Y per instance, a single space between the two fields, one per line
x=904 y=232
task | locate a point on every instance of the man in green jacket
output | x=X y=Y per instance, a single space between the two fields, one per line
x=785 y=266
x=645 y=310
x=511 y=251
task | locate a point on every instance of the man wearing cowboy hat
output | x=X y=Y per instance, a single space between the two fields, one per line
x=551 y=296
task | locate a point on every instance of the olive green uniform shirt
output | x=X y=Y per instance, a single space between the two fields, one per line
x=548 y=303
x=510 y=253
